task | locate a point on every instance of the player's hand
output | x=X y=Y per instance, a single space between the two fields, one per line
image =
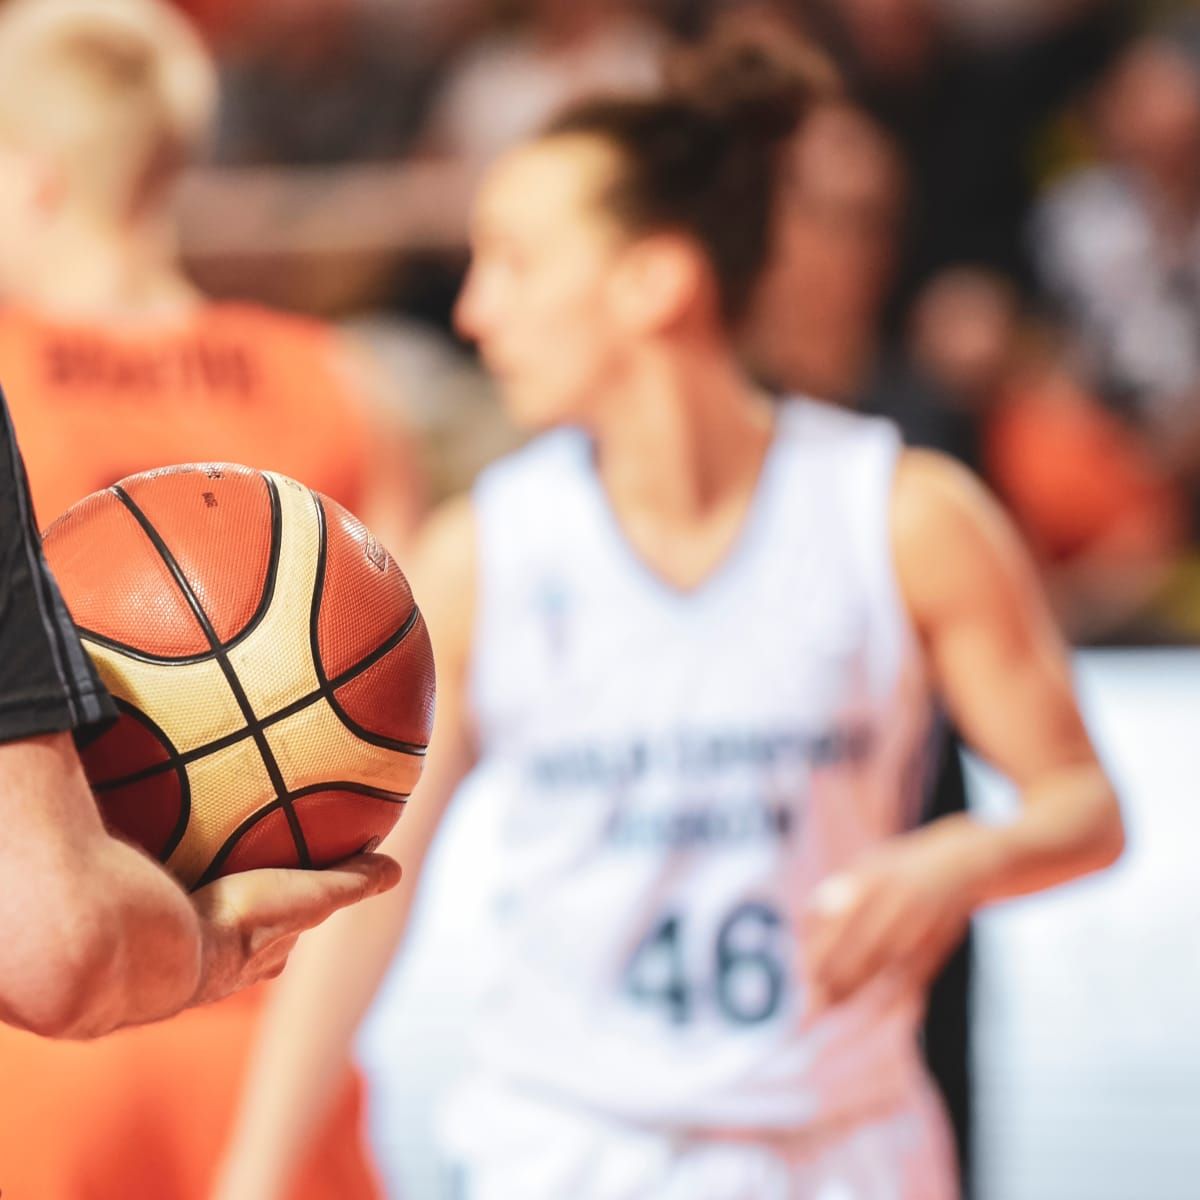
x=251 y=921
x=892 y=919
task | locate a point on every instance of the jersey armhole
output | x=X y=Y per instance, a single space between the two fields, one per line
x=900 y=645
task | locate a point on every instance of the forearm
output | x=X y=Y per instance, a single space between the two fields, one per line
x=96 y=935
x=1069 y=825
x=153 y=934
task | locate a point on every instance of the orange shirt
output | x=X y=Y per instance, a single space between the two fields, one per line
x=227 y=383
x=144 y=1114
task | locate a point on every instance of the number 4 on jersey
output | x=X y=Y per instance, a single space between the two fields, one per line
x=748 y=979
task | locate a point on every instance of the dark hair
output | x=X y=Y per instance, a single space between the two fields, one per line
x=704 y=156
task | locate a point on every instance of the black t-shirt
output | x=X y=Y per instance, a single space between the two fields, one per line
x=47 y=681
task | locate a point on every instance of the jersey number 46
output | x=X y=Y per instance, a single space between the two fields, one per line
x=747 y=979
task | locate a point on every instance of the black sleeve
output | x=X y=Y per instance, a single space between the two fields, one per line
x=47 y=681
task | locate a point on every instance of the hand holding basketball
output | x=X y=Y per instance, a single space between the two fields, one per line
x=894 y=916
x=250 y=921
x=272 y=670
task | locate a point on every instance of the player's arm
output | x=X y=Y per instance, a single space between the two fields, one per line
x=95 y=936
x=1000 y=667
x=317 y=1006
x=69 y=894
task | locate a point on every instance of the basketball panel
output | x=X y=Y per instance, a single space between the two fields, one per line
x=314 y=746
x=227 y=788
x=338 y=823
x=216 y=521
x=364 y=598
x=192 y=703
x=148 y=813
x=116 y=584
x=274 y=662
x=133 y=744
x=394 y=697
x=268 y=842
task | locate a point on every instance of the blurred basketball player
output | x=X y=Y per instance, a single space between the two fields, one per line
x=114 y=364
x=688 y=639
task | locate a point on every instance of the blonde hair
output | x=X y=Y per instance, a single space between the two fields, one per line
x=116 y=94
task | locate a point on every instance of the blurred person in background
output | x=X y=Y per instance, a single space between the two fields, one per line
x=1118 y=243
x=508 y=84
x=689 y=640
x=814 y=324
x=985 y=381
x=965 y=102
x=116 y=364
x=1118 y=248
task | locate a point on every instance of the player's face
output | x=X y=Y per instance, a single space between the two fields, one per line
x=541 y=298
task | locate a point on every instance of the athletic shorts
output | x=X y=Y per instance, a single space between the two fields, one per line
x=504 y=1144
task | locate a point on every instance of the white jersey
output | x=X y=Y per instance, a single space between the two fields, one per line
x=677 y=770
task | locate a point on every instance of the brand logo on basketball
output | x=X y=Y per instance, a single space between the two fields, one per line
x=377 y=556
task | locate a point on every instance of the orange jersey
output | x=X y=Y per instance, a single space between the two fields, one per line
x=144 y=1115
x=227 y=383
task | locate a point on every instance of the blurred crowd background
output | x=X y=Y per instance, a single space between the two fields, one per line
x=995 y=239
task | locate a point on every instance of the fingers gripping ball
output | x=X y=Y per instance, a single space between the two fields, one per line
x=273 y=673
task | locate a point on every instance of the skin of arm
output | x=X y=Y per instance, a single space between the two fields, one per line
x=318 y=1005
x=96 y=936
x=67 y=891
x=1001 y=669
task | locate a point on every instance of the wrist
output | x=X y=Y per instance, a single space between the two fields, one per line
x=974 y=855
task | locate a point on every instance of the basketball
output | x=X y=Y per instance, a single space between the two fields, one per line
x=273 y=673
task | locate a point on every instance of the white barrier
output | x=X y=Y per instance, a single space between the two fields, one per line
x=1087 y=1000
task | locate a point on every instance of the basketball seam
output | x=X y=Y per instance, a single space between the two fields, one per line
x=221 y=657
x=256 y=618
x=415 y=749
x=219 y=859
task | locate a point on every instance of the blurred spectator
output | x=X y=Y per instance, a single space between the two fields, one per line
x=974 y=380
x=965 y=113
x=1100 y=513
x=1118 y=244
x=319 y=81
x=815 y=324
x=512 y=81
x=941 y=385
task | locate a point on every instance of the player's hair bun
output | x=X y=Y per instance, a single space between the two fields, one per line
x=758 y=81
x=704 y=156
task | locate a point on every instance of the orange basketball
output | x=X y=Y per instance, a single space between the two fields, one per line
x=272 y=670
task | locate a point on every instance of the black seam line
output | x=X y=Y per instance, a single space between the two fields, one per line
x=174 y=763
x=253 y=725
x=290 y=710
x=268 y=595
x=362 y=789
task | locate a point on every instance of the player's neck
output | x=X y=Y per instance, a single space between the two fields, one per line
x=686 y=435
x=89 y=271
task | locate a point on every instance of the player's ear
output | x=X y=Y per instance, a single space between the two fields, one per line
x=658 y=279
